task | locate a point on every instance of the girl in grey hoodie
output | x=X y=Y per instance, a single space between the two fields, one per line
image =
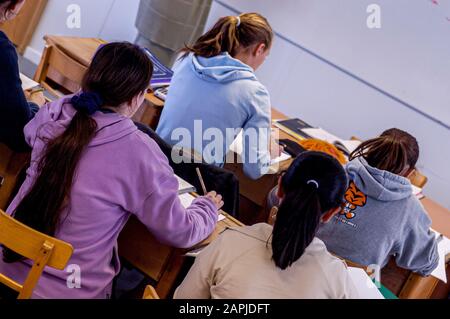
x=381 y=217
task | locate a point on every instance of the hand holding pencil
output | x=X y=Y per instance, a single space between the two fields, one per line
x=216 y=198
x=36 y=95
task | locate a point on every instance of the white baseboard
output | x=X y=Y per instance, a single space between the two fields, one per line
x=33 y=55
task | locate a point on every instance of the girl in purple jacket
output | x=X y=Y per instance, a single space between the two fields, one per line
x=91 y=170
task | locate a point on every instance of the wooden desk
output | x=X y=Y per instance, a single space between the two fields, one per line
x=81 y=51
x=161 y=263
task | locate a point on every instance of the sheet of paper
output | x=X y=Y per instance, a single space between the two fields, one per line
x=237 y=147
x=283 y=157
x=187 y=199
x=418 y=192
x=321 y=134
x=184 y=187
x=351 y=146
x=443 y=249
x=365 y=287
x=27 y=83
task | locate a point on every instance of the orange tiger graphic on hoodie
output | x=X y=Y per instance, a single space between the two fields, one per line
x=354 y=198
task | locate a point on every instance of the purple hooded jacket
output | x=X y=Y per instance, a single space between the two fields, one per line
x=122 y=173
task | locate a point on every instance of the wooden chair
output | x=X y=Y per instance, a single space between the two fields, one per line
x=418 y=179
x=12 y=165
x=58 y=73
x=150 y=293
x=43 y=250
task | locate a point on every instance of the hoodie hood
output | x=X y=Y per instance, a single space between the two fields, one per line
x=221 y=69
x=378 y=184
x=110 y=126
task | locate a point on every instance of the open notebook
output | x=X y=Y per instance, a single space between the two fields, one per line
x=27 y=83
x=347 y=147
x=184 y=187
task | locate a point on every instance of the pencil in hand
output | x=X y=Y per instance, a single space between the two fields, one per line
x=202 y=182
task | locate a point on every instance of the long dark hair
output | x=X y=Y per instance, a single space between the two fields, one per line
x=11 y=3
x=314 y=184
x=394 y=151
x=118 y=73
x=231 y=34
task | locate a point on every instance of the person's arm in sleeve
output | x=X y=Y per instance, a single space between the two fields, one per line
x=257 y=135
x=171 y=223
x=202 y=276
x=43 y=116
x=16 y=110
x=418 y=249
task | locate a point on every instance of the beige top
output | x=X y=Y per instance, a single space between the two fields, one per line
x=239 y=265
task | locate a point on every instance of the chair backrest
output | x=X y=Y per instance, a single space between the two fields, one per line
x=58 y=73
x=418 y=179
x=150 y=293
x=12 y=165
x=43 y=250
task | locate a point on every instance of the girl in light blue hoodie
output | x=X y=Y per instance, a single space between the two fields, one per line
x=215 y=94
x=381 y=218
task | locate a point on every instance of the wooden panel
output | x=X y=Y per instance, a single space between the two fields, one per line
x=140 y=248
x=161 y=263
x=20 y=30
x=439 y=215
x=81 y=50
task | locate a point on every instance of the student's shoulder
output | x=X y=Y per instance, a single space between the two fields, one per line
x=414 y=210
x=254 y=88
x=7 y=49
x=234 y=243
x=144 y=148
x=5 y=43
x=328 y=263
x=246 y=236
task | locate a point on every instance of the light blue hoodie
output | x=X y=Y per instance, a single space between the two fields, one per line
x=382 y=219
x=225 y=94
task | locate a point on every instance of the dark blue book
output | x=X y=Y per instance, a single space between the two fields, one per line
x=162 y=75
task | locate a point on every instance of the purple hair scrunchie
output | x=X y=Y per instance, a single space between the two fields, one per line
x=87 y=102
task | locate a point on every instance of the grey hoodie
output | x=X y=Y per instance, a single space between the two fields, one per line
x=381 y=218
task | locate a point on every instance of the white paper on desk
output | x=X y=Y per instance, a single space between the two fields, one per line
x=27 y=83
x=187 y=199
x=444 y=249
x=184 y=187
x=351 y=146
x=418 y=192
x=237 y=147
x=321 y=134
x=365 y=287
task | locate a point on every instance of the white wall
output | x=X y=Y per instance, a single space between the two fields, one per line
x=107 y=19
x=345 y=83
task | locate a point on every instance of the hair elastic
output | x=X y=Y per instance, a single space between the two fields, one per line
x=238 y=21
x=87 y=102
x=315 y=183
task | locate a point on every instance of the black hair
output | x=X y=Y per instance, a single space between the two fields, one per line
x=314 y=184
